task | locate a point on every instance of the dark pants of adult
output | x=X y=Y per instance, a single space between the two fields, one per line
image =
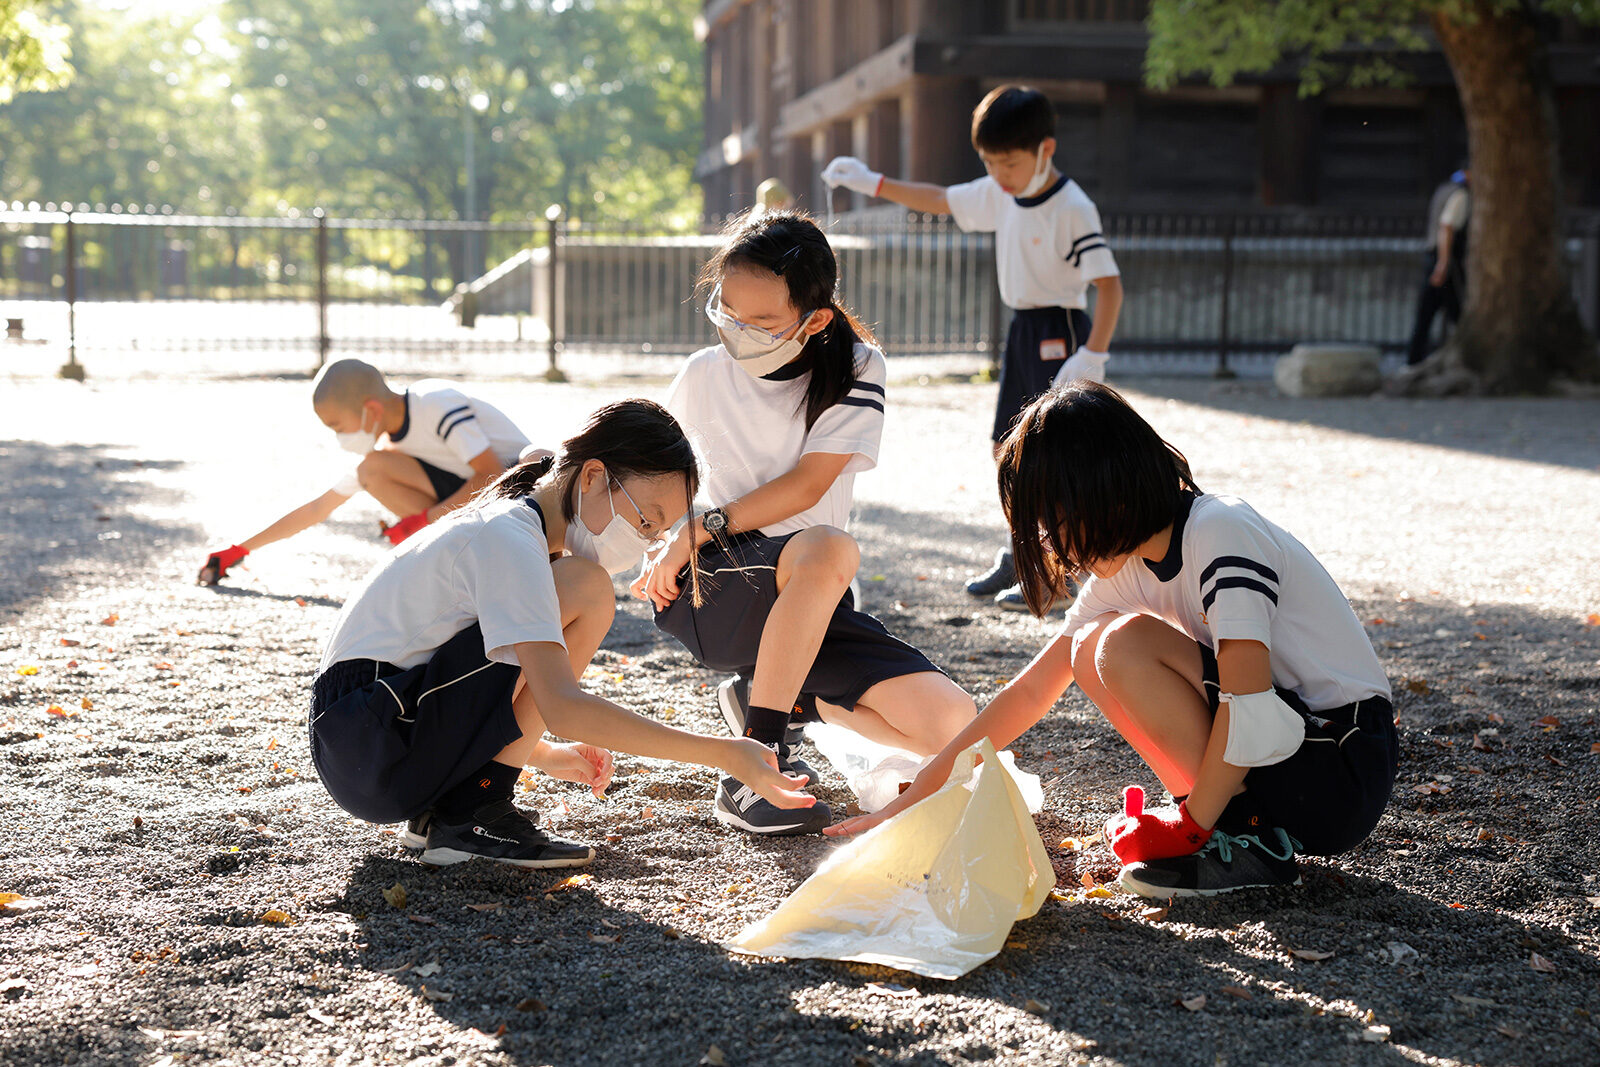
x=1430 y=300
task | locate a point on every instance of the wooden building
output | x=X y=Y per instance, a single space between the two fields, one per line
x=792 y=83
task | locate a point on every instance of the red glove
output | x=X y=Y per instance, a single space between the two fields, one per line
x=405 y=527
x=1139 y=835
x=218 y=562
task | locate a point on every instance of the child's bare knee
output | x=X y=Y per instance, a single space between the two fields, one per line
x=827 y=552
x=1127 y=647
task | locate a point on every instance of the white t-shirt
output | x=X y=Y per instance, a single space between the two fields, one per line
x=1047 y=248
x=749 y=431
x=488 y=565
x=448 y=428
x=1232 y=575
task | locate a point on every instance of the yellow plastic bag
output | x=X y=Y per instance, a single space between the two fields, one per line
x=933 y=891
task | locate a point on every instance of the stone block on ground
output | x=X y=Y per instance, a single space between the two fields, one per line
x=1328 y=370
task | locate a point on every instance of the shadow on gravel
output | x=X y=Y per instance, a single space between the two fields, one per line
x=262 y=594
x=1558 y=431
x=67 y=513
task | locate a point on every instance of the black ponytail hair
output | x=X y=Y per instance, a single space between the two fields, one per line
x=790 y=245
x=633 y=438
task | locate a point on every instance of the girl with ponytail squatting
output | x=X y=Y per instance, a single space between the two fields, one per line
x=785 y=412
x=1209 y=637
x=447 y=666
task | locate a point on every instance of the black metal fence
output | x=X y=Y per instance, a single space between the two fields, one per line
x=159 y=293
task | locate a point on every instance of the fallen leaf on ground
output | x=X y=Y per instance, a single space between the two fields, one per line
x=1087 y=880
x=608 y=923
x=1237 y=991
x=109 y=620
x=425 y=920
x=68 y=642
x=1418 y=686
x=1399 y=950
x=274 y=915
x=571 y=882
x=1497 y=718
x=300 y=600
x=322 y=1017
x=1548 y=720
x=163 y=665
x=890 y=989
x=1478 y=744
x=428 y=970
x=1035 y=1007
x=59 y=712
x=1592 y=619
x=436 y=995
x=1484 y=834
x=1310 y=954
x=1508 y=1031
x=532 y=1004
x=1474 y=1002
x=1594 y=749
x=27 y=670
x=1153 y=914
x=395 y=895
x=18 y=902
x=492 y=906
x=1375 y=1035
x=714 y=1058
x=86 y=704
x=1540 y=964
x=1099 y=892
x=1194 y=1003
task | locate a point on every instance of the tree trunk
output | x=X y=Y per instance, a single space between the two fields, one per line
x=1520 y=331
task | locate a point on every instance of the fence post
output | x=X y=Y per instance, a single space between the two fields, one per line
x=1223 y=370
x=324 y=342
x=552 y=218
x=72 y=370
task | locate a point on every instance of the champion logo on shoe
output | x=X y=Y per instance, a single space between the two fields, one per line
x=481 y=832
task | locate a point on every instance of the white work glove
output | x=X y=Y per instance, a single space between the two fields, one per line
x=1083 y=363
x=853 y=174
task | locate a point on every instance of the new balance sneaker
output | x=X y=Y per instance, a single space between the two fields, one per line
x=733 y=697
x=1223 y=864
x=415 y=835
x=997 y=578
x=499 y=831
x=740 y=806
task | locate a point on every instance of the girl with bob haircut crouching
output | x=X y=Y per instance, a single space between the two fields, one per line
x=1209 y=637
x=447 y=666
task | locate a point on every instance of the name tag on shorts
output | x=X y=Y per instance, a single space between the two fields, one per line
x=1053 y=350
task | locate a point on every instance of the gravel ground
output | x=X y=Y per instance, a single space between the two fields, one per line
x=200 y=900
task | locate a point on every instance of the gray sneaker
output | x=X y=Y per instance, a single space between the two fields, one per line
x=415 y=835
x=740 y=806
x=499 y=831
x=733 y=697
x=1223 y=864
x=996 y=578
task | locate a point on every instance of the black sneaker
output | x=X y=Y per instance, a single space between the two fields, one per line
x=733 y=697
x=499 y=831
x=1223 y=864
x=415 y=835
x=997 y=578
x=739 y=805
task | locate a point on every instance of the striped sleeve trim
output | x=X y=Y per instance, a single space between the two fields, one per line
x=862 y=402
x=1087 y=237
x=869 y=387
x=1076 y=256
x=451 y=428
x=1260 y=579
x=439 y=429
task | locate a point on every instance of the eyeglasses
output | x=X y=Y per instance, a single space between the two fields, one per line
x=651 y=544
x=754 y=334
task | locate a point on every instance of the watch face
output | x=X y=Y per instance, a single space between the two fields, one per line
x=715 y=520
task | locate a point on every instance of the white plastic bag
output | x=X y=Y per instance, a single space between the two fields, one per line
x=876 y=772
x=933 y=890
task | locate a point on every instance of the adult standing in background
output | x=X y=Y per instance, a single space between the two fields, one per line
x=1445 y=261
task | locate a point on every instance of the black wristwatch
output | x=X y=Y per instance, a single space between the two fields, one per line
x=715 y=521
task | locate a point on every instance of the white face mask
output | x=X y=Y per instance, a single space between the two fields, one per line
x=617 y=547
x=1041 y=175
x=758 y=352
x=359 y=441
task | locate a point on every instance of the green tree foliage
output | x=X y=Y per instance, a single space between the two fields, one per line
x=33 y=49
x=363 y=108
x=1520 y=329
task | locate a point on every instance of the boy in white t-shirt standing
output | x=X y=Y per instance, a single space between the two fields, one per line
x=442 y=446
x=1048 y=250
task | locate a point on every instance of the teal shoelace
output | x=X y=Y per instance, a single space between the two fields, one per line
x=1224 y=843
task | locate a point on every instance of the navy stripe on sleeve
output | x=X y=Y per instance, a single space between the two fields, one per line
x=465 y=418
x=862 y=402
x=446 y=417
x=869 y=387
x=1237 y=583
x=1087 y=237
x=1242 y=562
x=1076 y=258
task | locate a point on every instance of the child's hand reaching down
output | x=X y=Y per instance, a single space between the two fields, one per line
x=584 y=764
x=1138 y=835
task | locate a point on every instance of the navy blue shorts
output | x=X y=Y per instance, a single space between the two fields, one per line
x=1039 y=340
x=1332 y=791
x=444 y=483
x=740 y=585
x=388 y=742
